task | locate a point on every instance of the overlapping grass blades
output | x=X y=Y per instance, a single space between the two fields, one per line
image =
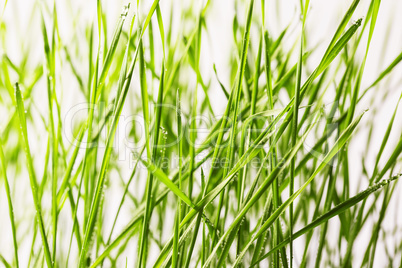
x=238 y=188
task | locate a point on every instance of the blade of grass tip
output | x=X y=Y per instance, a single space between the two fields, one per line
x=151 y=46
x=111 y=51
x=325 y=62
x=161 y=28
x=10 y=204
x=330 y=214
x=375 y=7
x=345 y=136
x=32 y=176
x=104 y=28
x=383 y=74
x=155 y=3
x=332 y=53
x=220 y=83
x=123 y=72
x=341 y=27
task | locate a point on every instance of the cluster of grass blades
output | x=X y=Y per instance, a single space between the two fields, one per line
x=131 y=148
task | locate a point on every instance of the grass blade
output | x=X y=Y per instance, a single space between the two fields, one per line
x=31 y=171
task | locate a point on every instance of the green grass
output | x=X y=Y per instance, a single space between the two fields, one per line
x=251 y=166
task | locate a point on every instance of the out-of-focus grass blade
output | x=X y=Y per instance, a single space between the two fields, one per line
x=385 y=139
x=4 y=261
x=31 y=172
x=67 y=174
x=149 y=16
x=10 y=203
x=220 y=83
x=384 y=73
